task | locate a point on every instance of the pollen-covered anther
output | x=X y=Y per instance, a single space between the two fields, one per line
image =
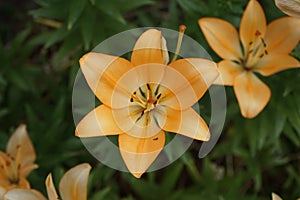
x=147 y=97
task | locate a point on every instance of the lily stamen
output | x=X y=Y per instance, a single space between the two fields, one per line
x=257 y=50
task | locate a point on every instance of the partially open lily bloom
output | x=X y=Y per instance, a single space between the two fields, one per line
x=264 y=50
x=289 y=7
x=73 y=186
x=17 y=162
x=144 y=97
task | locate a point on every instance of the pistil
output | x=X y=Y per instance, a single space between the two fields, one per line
x=179 y=41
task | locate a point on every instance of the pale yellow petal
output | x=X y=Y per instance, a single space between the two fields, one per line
x=274 y=63
x=2 y=192
x=283 y=35
x=102 y=72
x=275 y=197
x=165 y=52
x=22 y=194
x=25 y=170
x=73 y=185
x=222 y=37
x=252 y=94
x=20 y=147
x=51 y=191
x=253 y=23
x=289 y=7
x=228 y=71
x=187 y=123
x=23 y=183
x=149 y=48
x=99 y=122
x=138 y=154
x=187 y=78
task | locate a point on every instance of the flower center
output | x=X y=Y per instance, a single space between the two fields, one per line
x=10 y=169
x=257 y=50
x=147 y=97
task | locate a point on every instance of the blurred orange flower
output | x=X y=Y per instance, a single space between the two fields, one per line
x=17 y=162
x=144 y=97
x=73 y=186
x=265 y=50
x=289 y=7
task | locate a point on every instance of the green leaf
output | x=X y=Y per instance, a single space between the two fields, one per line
x=87 y=26
x=75 y=9
x=57 y=36
x=171 y=178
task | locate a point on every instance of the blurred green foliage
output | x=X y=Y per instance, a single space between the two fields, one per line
x=39 y=50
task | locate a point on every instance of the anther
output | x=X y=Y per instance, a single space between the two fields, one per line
x=140 y=116
x=264 y=43
x=148 y=86
x=158 y=96
x=257 y=33
x=131 y=99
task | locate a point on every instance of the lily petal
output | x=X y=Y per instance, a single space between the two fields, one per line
x=149 y=48
x=52 y=194
x=253 y=22
x=102 y=73
x=187 y=123
x=23 y=194
x=283 y=35
x=289 y=7
x=187 y=78
x=2 y=192
x=222 y=37
x=252 y=94
x=274 y=63
x=73 y=185
x=275 y=197
x=138 y=154
x=228 y=71
x=25 y=171
x=20 y=147
x=99 y=122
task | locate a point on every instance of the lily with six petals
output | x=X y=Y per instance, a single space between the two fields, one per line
x=264 y=50
x=18 y=161
x=144 y=97
x=73 y=186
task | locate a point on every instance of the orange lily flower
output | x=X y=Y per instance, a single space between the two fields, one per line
x=276 y=197
x=145 y=97
x=17 y=162
x=289 y=7
x=264 y=50
x=73 y=186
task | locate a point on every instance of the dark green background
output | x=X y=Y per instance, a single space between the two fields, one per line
x=38 y=65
